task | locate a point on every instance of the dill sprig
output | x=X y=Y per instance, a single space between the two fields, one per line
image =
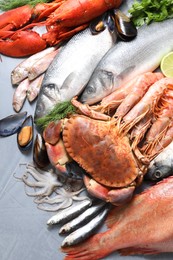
x=60 y=111
x=6 y=5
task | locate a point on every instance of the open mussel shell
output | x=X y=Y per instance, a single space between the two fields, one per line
x=126 y=29
x=25 y=134
x=11 y=124
x=40 y=156
x=100 y=23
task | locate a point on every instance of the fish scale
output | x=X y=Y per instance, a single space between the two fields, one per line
x=127 y=60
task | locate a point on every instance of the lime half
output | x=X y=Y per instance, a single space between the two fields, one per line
x=166 y=65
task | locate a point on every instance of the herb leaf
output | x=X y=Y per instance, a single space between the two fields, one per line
x=146 y=11
x=60 y=111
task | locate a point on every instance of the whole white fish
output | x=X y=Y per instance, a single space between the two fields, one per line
x=71 y=69
x=126 y=60
x=161 y=166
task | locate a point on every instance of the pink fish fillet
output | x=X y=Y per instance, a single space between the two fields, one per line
x=143 y=226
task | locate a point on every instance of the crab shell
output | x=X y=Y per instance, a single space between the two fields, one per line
x=99 y=148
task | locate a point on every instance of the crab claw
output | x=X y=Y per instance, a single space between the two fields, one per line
x=115 y=196
x=58 y=155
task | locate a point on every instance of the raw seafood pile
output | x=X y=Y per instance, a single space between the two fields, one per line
x=120 y=115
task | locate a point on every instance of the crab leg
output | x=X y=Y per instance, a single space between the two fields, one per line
x=147 y=104
x=86 y=110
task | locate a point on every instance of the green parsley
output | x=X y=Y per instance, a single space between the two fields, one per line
x=146 y=11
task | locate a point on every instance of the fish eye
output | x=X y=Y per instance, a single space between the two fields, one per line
x=51 y=86
x=90 y=89
x=158 y=174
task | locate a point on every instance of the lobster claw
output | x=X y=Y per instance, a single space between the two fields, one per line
x=22 y=43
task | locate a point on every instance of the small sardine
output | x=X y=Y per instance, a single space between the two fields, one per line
x=83 y=218
x=161 y=166
x=19 y=95
x=126 y=60
x=70 y=213
x=71 y=69
x=34 y=88
x=87 y=230
x=21 y=71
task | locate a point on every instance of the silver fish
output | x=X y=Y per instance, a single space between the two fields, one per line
x=72 y=67
x=161 y=166
x=87 y=230
x=19 y=95
x=83 y=218
x=128 y=59
x=70 y=213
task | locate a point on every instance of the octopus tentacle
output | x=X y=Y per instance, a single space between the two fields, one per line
x=40 y=192
x=63 y=205
x=30 y=183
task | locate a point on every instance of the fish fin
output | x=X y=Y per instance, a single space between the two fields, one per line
x=114 y=215
x=138 y=251
x=125 y=72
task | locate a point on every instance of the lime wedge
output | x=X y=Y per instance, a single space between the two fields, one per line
x=166 y=65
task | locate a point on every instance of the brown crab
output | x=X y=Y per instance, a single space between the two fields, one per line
x=112 y=149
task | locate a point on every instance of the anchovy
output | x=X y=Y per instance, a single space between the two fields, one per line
x=72 y=67
x=85 y=217
x=87 y=230
x=70 y=213
x=126 y=60
x=161 y=166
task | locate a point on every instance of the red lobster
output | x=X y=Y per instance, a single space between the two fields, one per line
x=62 y=18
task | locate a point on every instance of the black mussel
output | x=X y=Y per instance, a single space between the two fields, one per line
x=126 y=30
x=100 y=23
x=11 y=124
x=40 y=156
x=25 y=135
x=74 y=170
